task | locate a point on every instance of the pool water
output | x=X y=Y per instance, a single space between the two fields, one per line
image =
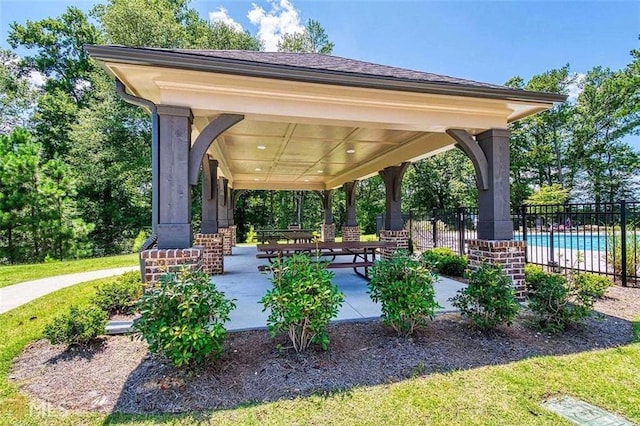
x=575 y=241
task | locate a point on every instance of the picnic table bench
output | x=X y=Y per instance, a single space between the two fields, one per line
x=362 y=253
x=294 y=235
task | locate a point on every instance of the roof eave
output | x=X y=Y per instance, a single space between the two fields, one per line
x=194 y=62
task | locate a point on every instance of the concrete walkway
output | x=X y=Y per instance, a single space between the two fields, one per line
x=18 y=294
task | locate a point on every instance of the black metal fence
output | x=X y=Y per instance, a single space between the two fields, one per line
x=601 y=238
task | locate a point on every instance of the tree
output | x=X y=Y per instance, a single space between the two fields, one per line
x=607 y=111
x=548 y=194
x=313 y=39
x=17 y=97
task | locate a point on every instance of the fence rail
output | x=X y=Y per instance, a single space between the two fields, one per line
x=601 y=238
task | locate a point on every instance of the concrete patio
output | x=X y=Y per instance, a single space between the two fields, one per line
x=243 y=282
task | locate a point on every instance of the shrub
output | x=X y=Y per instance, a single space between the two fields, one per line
x=138 y=241
x=183 y=318
x=489 y=299
x=404 y=287
x=432 y=257
x=614 y=254
x=445 y=261
x=302 y=301
x=557 y=301
x=252 y=235
x=76 y=326
x=120 y=294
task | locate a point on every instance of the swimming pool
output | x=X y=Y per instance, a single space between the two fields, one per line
x=571 y=241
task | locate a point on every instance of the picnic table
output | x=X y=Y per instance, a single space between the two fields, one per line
x=291 y=235
x=361 y=253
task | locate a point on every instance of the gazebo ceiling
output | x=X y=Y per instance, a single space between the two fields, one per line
x=314 y=121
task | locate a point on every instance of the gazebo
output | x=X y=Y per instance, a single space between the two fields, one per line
x=306 y=121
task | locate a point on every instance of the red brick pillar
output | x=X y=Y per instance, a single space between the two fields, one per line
x=212 y=258
x=507 y=253
x=328 y=232
x=234 y=231
x=350 y=233
x=400 y=238
x=158 y=262
x=226 y=243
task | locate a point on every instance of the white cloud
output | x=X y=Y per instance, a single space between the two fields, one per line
x=222 y=15
x=36 y=79
x=575 y=86
x=283 y=18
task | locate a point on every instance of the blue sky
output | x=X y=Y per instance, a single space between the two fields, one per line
x=488 y=41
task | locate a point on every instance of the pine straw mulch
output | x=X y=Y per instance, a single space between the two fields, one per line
x=118 y=374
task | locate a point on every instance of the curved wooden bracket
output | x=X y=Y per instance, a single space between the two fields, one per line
x=468 y=144
x=205 y=139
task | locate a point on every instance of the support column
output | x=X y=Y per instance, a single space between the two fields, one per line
x=350 y=229
x=174 y=206
x=224 y=200
x=494 y=208
x=327 y=228
x=393 y=222
x=158 y=262
x=508 y=254
x=212 y=256
x=209 y=196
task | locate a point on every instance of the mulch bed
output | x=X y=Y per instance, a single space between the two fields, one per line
x=118 y=374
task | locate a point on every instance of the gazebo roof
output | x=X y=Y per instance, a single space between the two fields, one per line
x=314 y=121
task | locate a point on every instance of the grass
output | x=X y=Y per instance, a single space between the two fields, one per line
x=504 y=394
x=14 y=274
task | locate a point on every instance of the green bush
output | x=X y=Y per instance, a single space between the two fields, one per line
x=432 y=257
x=302 y=301
x=445 y=261
x=119 y=295
x=76 y=326
x=557 y=301
x=614 y=254
x=183 y=318
x=138 y=242
x=252 y=235
x=489 y=299
x=404 y=288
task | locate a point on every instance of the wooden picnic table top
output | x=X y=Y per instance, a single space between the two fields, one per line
x=326 y=245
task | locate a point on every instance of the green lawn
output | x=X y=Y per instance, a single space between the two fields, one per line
x=505 y=394
x=14 y=274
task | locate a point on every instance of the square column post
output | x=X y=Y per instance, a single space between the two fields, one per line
x=494 y=208
x=327 y=228
x=350 y=229
x=209 y=196
x=174 y=207
x=394 y=223
x=224 y=223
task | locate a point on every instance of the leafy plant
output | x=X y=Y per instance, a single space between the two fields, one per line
x=183 y=318
x=489 y=299
x=445 y=261
x=120 y=294
x=302 y=301
x=557 y=301
x=404 y=287
x=614 y=254
x=76 y=326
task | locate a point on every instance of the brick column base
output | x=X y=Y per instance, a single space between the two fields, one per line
x=401 y=238
x=234 y=231
x=328 y=232
x=212 y=258
x=509 y=254
x=226 y=243
x=158 y=262
x=350 y=233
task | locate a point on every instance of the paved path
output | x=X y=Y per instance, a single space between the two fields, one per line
x=18 y=294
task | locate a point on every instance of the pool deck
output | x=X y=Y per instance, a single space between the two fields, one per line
x=242 y=281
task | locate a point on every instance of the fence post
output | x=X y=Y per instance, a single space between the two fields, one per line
x=623 y=241
x=523 y=212
x=460 y=226
x=434 y=226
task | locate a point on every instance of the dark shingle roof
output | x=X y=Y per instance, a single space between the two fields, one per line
x=317 y=61
x=314 y=68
